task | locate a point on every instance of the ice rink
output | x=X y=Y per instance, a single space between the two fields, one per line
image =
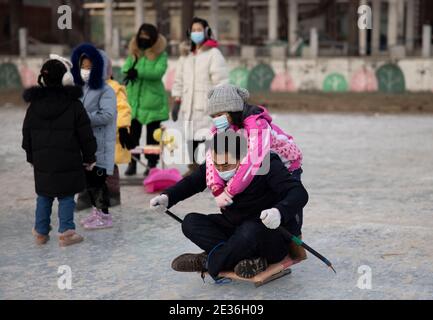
x=370 y=181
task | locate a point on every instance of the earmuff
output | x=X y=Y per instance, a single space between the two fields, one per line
x=67 y=79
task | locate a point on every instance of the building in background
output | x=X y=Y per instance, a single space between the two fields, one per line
x=300 y=27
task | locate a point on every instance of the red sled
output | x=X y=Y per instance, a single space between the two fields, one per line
x=161 y=179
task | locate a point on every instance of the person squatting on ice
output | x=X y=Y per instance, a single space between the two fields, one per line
x=243 y=236
x=123 y=143
x=144 y=68
x=99 y=100
x=228 y=107
x=59 y=144
x=203 y=68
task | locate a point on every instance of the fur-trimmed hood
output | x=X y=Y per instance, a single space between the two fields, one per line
x=50 y=102
x=98 y=72
x=37 y=93
x=152 y=53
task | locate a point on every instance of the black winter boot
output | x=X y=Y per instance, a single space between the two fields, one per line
x=249 y=268
x=132 y=168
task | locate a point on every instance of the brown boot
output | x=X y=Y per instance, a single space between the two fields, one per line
x=190 y=262
x=40 y=239
x=69 y=237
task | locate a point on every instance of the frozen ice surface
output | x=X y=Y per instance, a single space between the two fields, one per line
x=370 y=180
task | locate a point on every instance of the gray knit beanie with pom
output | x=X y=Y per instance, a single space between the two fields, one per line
x=226 y=98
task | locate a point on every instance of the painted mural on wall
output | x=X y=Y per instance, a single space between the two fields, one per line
x=260 y=78
x=10 y=77
x=335 y=82
x=363 y=80
x=390 y=78
x=283 y=82
x=298 y=76
x=239 y=77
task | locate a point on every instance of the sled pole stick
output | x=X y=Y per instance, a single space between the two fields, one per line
x=301 y=243
x=175 y=217
x=138 y=160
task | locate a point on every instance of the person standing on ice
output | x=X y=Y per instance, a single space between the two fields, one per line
x=89 y=71
x=123 y=141
x=243 y=236
x=60 y=145
x=228 y=107
x=203 y=68
x=144 y=68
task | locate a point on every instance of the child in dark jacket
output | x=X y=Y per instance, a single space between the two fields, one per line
x=60 y=145
x=243 y=236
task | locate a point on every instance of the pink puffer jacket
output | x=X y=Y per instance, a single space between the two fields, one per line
x=263 y=137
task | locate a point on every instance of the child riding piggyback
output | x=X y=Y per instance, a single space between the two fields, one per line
x=228 y=107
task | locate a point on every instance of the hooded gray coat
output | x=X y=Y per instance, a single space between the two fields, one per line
x=100 y=104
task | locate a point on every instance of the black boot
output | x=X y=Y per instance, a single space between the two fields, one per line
x=132 y=168
x=114 y=199
x=190 y=262
x=83 y=201
x=249 y=268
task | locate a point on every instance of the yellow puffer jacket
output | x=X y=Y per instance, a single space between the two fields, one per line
x=122 y=155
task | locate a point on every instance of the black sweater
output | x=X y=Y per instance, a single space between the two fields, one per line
x=276 y=189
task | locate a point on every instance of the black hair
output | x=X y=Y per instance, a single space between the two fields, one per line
x=52 y=73
x=205 y=25
x=150 y=30
x=237 y=118
x=230 y=142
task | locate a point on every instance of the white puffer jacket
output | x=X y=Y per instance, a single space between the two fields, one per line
x=195 y=75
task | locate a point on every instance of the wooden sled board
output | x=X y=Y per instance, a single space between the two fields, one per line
x=272 y=272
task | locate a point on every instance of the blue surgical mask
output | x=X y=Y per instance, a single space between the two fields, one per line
x=226 y=175
x=221 y=123
x=197 y=37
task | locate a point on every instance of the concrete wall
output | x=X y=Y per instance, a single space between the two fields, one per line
x=323 y=74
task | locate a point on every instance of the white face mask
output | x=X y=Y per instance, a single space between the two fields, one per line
x=226 y=175
x=85 y=75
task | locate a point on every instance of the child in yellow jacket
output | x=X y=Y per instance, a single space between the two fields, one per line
x=123 y=140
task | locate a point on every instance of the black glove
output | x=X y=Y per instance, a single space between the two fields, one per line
x=175 y=111
x=125 y=139
x=131 y=75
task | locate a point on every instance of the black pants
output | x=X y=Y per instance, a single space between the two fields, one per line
x=136 y=127
x=226 y=244
x=97 y=188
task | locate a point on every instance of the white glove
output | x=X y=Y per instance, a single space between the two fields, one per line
x=159 y=203
x=271 y=218
x=223 y=200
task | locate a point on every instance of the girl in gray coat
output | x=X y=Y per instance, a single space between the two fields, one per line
x=99 y=100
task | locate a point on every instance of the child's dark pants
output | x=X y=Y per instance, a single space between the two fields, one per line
x=97 y=188
x=136 y=128
x=226 y=244
x=43 y=214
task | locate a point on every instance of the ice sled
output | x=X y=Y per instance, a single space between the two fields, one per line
x=273 y=271
x=158 y=179
x=161 y=179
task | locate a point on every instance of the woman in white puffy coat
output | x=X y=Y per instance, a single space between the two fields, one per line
x=203 y=68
